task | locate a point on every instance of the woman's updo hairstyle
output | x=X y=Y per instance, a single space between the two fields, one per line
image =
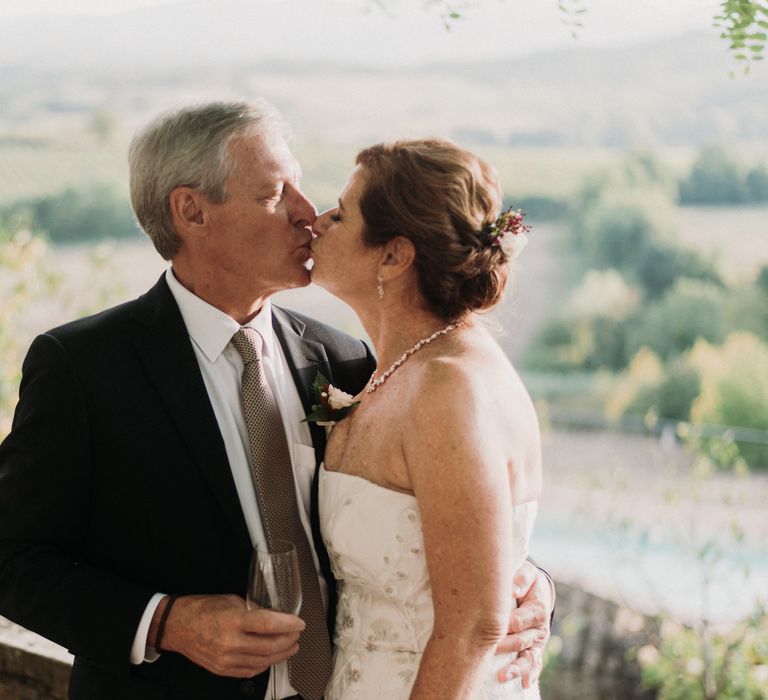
x=440 y=197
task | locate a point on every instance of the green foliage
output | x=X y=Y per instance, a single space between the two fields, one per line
x=102 y=124
x=744 y=24
x=565 y=345
x=590 y=333
x=690 y=310
x=657 y=267
x=624 y=220
x=724 y=384
x=24 y=278
x=747 y=309
x=716 y=177
x=28 y=282
x=622 y=226
x=617 y=228
x=698 y=664
x=672 y=397
x=762 y=280
x=734 y=389
x=609 y=344
x=572 y=12
x=757 y=184
x=553 y=349
x=646 y=170
x=77 y=215
x=540 y=207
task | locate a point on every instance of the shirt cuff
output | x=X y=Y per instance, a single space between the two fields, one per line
x=140 y=652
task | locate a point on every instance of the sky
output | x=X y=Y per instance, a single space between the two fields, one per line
x=358 y=31
x=605 y=20
x=675 y=10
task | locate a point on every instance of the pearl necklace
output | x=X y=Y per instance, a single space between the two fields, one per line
x=375 y=384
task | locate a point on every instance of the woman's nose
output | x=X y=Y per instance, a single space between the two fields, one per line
x=321 y=223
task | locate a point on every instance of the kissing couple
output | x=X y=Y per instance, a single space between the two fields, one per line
x=156 y=442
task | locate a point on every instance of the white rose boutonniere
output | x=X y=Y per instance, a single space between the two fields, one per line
x=332 y=404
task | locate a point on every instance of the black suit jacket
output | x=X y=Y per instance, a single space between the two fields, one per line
x=115 y=484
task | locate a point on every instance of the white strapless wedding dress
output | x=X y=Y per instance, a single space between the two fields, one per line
x=385 y=616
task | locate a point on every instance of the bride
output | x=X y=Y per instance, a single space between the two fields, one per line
x=429 y=487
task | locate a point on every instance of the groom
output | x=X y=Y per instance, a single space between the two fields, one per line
x=133 y=483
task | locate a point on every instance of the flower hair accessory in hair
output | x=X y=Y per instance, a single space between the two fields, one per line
x=508 y=232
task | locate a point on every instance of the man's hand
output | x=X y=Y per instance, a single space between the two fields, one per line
x=528 y=625
x=218 y=633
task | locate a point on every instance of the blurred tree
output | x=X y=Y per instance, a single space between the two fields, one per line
x=621 y=225
x=540 y=207
x=553 y=349
x=746 y=309
x=645 y=169
x=670 y=398
x=619 y=213
x=715 y=178
x=609 y=342
x=692 y=309
x=24 y=278
x=103 y=125
x=762 y=279
x=706 y=663
x=603 y=293
x=78 y=215
x=657 y=267
x=734 y=388
x=757 y=184
x=644 y=372
x=28 y=279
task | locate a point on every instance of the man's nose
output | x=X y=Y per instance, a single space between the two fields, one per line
x=303 y=212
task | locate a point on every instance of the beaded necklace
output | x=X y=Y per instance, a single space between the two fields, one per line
x=375 y=384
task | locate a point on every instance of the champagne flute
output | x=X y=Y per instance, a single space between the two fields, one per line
x=274 y=581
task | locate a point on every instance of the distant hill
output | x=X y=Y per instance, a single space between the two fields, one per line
x=74 y=89
x=671 y=93
x=355 y=32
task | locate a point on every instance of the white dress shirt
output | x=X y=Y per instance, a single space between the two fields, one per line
x=210 y=331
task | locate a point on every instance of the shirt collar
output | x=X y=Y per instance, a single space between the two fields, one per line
x=210 y=328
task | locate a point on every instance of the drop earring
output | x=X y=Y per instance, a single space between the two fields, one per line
x=380 y=288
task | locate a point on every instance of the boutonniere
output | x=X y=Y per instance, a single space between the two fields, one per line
x=332 y=404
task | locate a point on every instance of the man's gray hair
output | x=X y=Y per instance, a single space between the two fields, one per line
x=190 y=148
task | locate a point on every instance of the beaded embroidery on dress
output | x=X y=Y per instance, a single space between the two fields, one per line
x=384 y=618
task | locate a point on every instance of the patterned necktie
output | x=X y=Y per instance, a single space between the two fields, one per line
x=310 y=668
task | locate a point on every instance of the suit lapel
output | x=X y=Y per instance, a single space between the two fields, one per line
x=306 y=358
x=165 y=349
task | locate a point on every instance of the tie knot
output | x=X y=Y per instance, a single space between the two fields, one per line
x=248 y=343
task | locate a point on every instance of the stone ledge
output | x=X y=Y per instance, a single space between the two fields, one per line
x=31 y=668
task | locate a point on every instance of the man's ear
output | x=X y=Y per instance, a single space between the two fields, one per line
x=398 y=256
x=188 y=209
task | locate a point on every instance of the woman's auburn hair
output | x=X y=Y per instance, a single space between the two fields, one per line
x=440 y=197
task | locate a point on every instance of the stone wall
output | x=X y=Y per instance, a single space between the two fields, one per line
x=590 y=643
x=31 y=668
